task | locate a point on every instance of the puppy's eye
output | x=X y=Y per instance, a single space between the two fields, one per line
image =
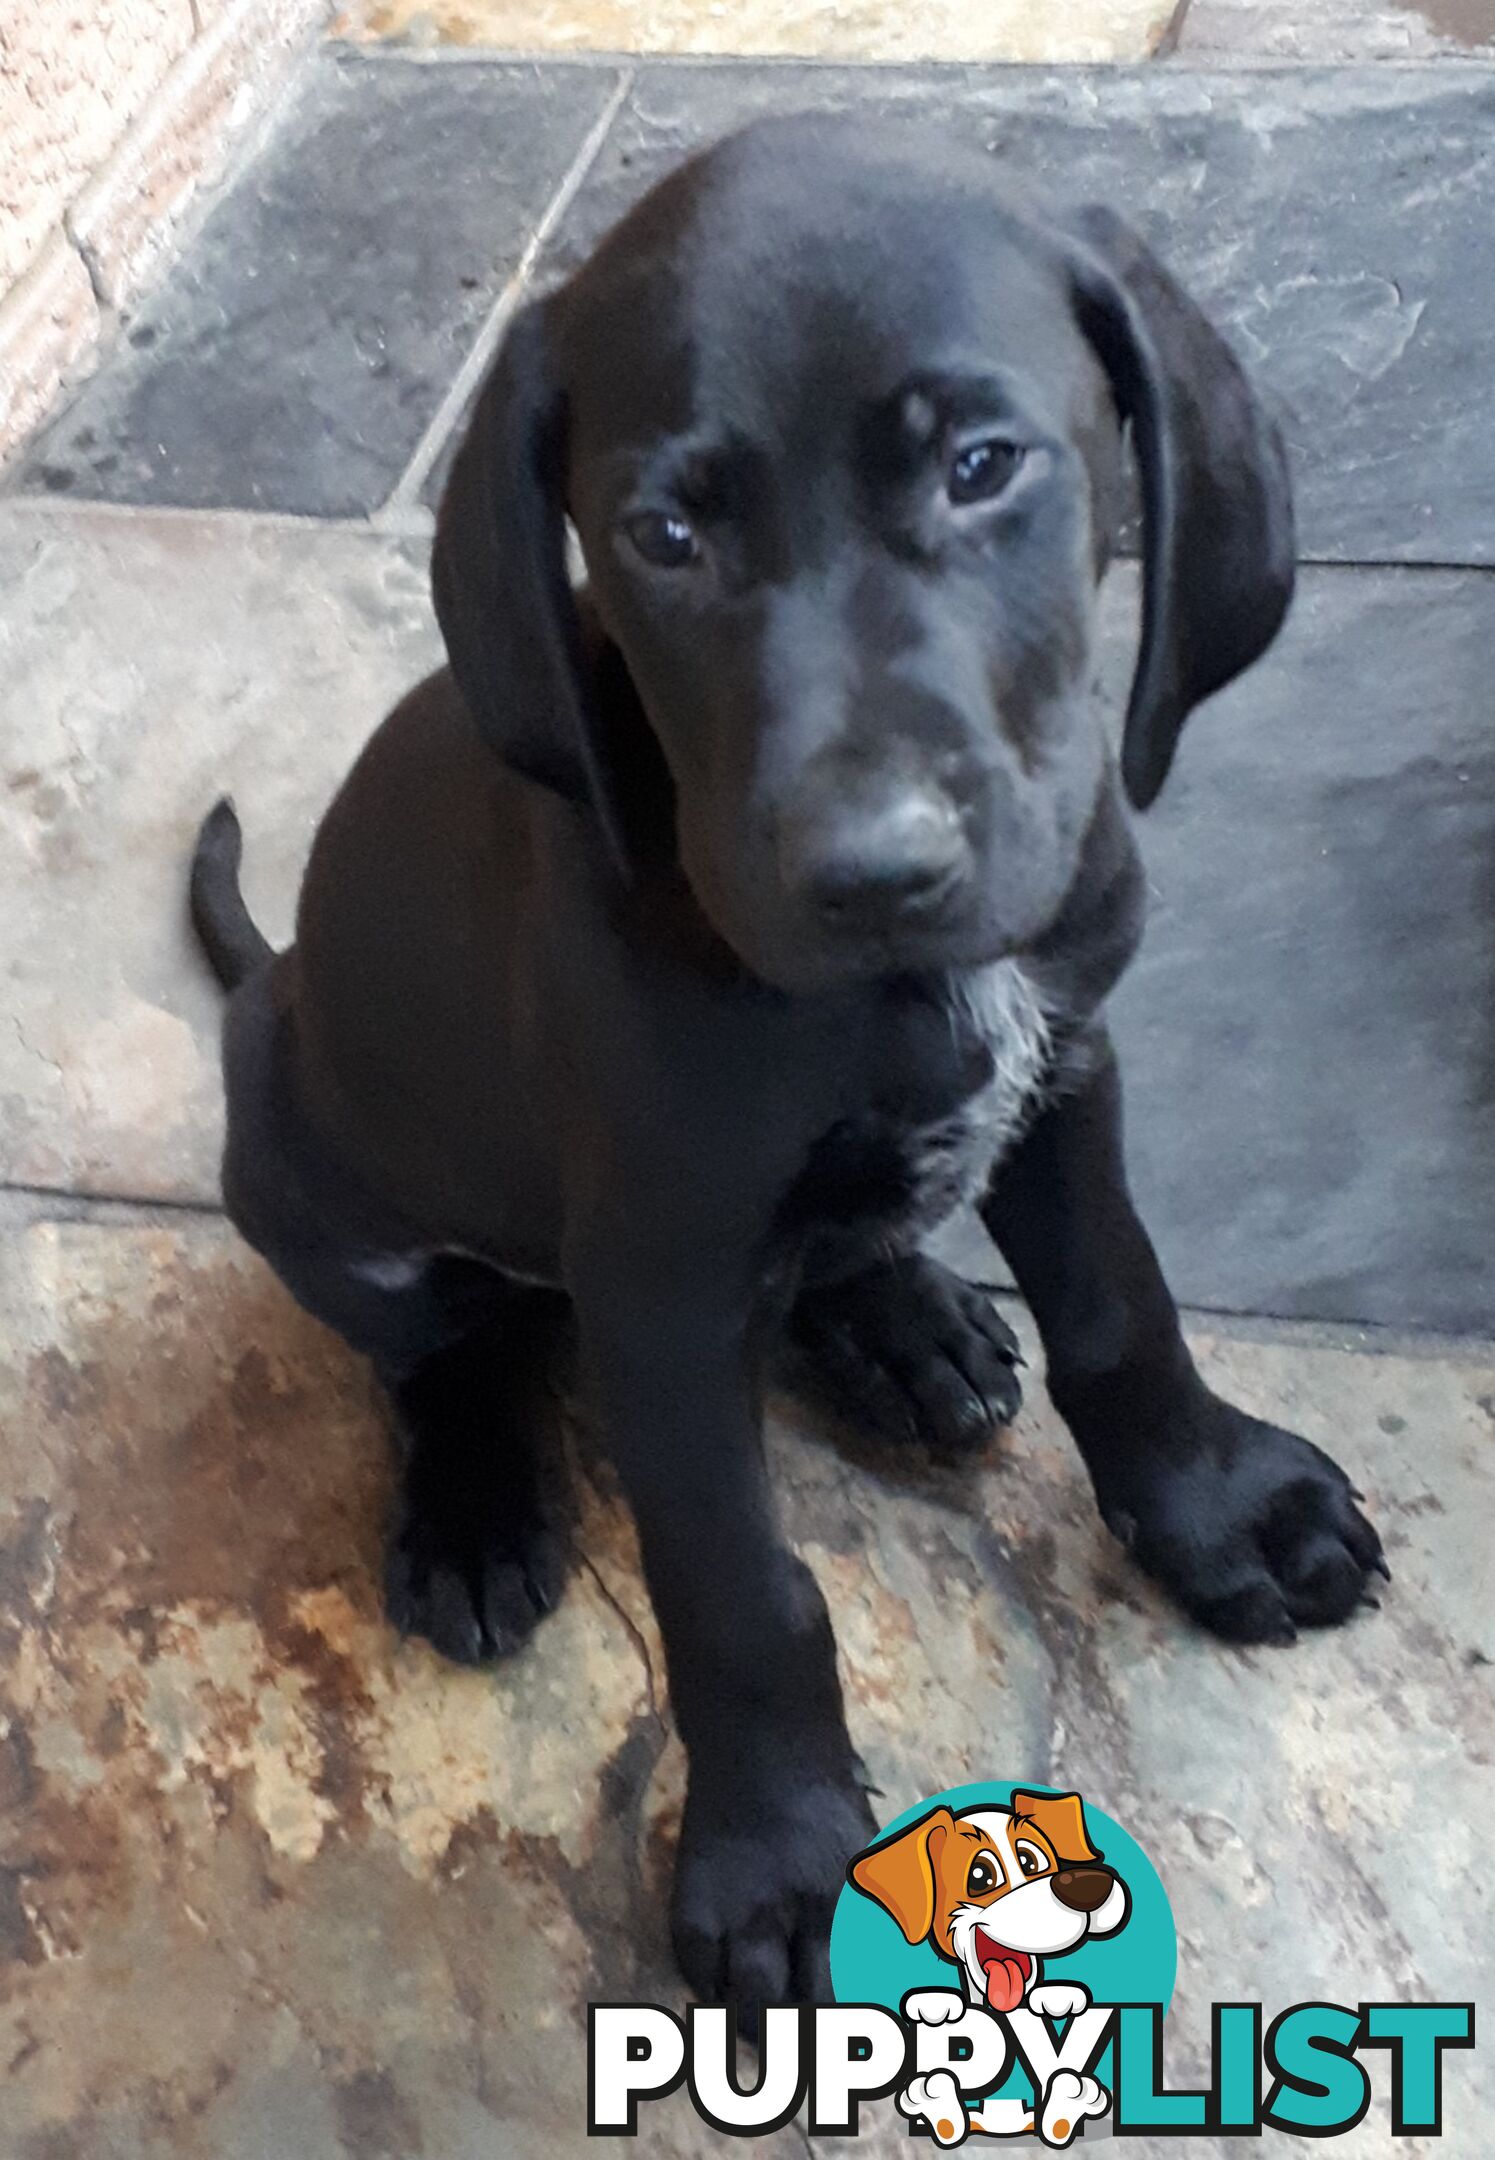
x=983 y=1878
x=1031 y=1860
x=983 y=470
x=663 y=539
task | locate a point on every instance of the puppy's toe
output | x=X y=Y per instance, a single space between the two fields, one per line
x=1319 y=1547
x=544 y=1561
x=756 y=1885
x=756 y=1972
x=508 y=1605
x=1255 y=1530
x=435 y=1602
x=913 y=1351
x=473 y=1599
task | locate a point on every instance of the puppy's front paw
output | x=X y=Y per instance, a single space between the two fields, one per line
x=475 y=1590
x=756 y=1884
x=1071 y=2100
x=912 y=1351
x=935 y=2099
x=1255 y=1531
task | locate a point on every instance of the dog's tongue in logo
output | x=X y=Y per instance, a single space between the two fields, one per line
x=1007 y=1972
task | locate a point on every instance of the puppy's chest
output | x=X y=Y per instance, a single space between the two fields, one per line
x=962 y=1075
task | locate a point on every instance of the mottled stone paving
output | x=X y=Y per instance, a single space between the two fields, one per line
x=836 y=29
x=277 y=1884
x=150 y=664
x=271 y=1883
x=942 y=30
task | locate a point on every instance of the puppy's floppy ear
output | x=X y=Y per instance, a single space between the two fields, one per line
x=1218 y=550
x=499 y=580
x=1061 y=1818
x=899 y=1874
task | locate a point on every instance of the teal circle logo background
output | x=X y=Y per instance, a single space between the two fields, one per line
x=871 y=1962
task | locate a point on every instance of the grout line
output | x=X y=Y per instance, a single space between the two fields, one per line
x=1350 y=1338
x=1356 y=1338
x=473 y=368
x=63 y=1196
x=103 y=300
x=402 y=517
x=1362 y=1338
x=382 y=53
x=1168 y=44
x=385 y=50
x=413 y=523
x=1414 y=563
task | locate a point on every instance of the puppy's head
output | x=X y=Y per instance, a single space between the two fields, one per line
x=997 y=1889
x=837 y=422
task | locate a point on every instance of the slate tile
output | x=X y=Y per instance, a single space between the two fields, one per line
x=275 y=370
x=1256 y=30
x=1336 y=222
x=1328 y=217
x=1308 y=1037
x=294 y=356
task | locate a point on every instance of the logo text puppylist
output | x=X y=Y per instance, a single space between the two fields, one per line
x=999 y=1974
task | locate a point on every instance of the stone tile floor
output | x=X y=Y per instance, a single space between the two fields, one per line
x=839 y=29
x=272 y=1884
x=942 y=29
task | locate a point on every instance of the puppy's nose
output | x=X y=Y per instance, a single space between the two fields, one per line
x=1083 y=1889
x=902 y=858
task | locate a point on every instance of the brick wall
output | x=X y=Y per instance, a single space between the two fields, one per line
x=112 y=114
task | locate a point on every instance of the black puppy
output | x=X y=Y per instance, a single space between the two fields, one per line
x=693 y=945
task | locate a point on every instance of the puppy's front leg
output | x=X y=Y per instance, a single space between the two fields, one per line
x=1254 y=1530
x=775 y=1804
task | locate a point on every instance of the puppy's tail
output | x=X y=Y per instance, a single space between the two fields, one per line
x=235 y=948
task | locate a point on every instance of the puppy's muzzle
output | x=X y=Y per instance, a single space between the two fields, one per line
x=869 y=866
x=1083 y=1889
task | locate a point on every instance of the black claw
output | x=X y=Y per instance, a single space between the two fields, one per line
x=1357 y=1494
x=1373 y=1604
x=1379 y=1564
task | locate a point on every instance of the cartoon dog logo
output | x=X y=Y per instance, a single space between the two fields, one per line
x=996 y=1891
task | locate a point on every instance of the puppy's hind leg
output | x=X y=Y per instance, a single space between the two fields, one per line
x=475 y=1558
x=462 y=1350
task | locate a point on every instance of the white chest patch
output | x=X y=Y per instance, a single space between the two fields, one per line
x=954 y=1158
x=1004 y=1008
